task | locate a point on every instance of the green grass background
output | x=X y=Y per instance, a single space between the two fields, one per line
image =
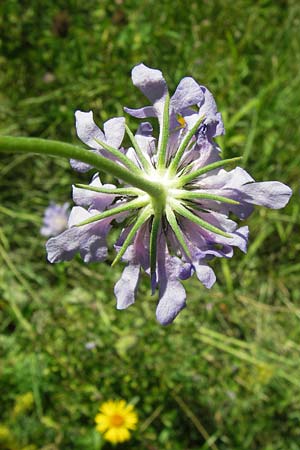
x=226 y=374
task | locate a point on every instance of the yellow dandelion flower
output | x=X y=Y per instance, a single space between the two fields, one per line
x=115 y=420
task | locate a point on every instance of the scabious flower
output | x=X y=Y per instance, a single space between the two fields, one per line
x=90 y=345
x=55 y=219
x=115 y=420
x=173 y=228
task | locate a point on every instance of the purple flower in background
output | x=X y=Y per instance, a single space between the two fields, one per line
x=176 y=233
x=90 y=345
x=55 y=219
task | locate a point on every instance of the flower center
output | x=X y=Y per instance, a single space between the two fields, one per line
x=116 y=420
x=167 y=185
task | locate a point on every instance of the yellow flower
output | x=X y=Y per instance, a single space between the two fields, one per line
x=5 y=433
x=115 y=420
x=23 y=403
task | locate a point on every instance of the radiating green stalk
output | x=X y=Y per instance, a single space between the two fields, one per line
x=164 y=135
x=119 y=155
x=114 y=191
x=153 y=248
x=191 y=176
x=171 y=218
x=136 y=203
x=184 y=194
x=185 y=142
x=144 y=215
x=145 y=163
x=10 y=144
x=196 y=219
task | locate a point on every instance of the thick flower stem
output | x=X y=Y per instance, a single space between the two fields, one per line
x=10 y=144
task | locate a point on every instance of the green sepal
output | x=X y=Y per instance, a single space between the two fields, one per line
x=184 y=194
x=197 y=220
x=136 y=203
x=153 y=248
x=121 y=157
x=143 y=216
x=185 y=142
x=115 y=191
x=191 y=176
x=145 y=163
x=164 y=135
x=171 y=218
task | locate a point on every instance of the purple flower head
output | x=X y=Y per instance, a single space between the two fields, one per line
x=55 y=219
x=90 y=345
x=175 y=214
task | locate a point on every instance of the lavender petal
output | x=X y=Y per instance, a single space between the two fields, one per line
x=171 y=301
x=205 y=274
x=271 y=194
x=188 y=93
x=89 y=240
x=114 y=130
x=92 y=199
x=141 y=113
x=125 y=288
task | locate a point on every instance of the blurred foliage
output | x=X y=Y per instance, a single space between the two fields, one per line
x=225 y=375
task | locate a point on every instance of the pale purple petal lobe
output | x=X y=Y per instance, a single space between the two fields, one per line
x=125 y=288
x=92 y=199
x=205 y=274
x=272 y=194
x=114 y=130
x=87 y=130
x=150 y=81
x=188 y=93
x=141 y=113
x=89 y=240
x=171 y=302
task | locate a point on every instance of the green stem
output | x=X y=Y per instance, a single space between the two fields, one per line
x=10 y=144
